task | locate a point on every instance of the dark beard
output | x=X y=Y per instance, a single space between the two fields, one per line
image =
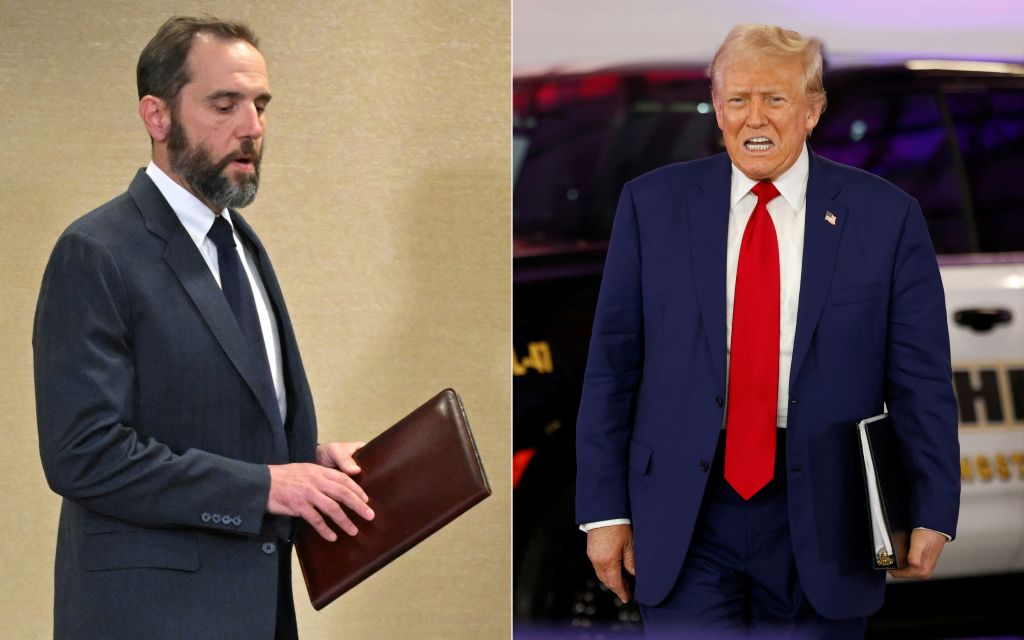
x=205 y=178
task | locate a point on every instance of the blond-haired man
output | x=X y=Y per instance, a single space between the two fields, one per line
x=755 y=305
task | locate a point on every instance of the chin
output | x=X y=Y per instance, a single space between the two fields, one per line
x=755 y=173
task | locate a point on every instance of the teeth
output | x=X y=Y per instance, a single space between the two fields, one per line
x=759 y=143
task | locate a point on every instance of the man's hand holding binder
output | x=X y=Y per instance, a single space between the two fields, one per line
x=925 y=547
x=312 y=491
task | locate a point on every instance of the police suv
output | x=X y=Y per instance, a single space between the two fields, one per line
x=950 y=133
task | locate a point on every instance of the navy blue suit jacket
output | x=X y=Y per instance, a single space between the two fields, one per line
x=156 y=428
x=871 y=328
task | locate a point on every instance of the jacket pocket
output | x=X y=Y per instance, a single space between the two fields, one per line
x=639 y=457
x=858 y=293
x=140 y=548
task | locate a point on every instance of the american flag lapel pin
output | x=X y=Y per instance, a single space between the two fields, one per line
x=830 y=218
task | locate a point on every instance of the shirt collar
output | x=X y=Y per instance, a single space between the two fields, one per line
x=195 y=216
x=792 y=184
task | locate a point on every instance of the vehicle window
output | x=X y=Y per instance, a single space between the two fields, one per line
x=902 y=138
x=990 y=132
x=660 y=129
x=562 y=145
x=580 y=152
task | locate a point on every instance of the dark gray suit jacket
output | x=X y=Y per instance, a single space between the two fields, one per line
x=156 y=429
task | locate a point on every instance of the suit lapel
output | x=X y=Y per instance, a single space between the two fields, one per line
x=821 y=247
x=193 y=273
x=709 y=227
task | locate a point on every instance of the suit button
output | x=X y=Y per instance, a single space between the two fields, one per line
x=205 y=517
x=269 y=547
x=216 y=518
x=704 y=466
x=720 y=401
x=237 y=521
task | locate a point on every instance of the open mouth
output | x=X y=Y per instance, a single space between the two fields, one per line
x=759 y=144
x=245 y=162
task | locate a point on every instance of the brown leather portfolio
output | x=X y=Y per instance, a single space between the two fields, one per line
x=420 y=475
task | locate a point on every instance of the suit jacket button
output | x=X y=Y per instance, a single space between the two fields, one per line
x=720 y=401
x=216 y=518
x=237 y=521
x=269 y=547
x=205 y=517
x=704 y=466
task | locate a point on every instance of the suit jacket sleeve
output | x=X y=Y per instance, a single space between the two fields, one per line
x=919 y=392
x=84 y=379
x=614 y=364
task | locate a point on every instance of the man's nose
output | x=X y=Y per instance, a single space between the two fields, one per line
x=251 y=123
x=755 y=115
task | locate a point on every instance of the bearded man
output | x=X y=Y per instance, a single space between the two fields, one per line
x=174 y=414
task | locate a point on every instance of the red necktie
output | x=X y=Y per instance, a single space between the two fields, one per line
x=754 y=354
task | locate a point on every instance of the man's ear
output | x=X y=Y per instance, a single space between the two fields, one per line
x=718 y=112
x=156 y=117
x=815 y=106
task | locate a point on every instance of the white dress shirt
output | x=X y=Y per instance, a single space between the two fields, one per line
x=197 y=219
x=788 y=212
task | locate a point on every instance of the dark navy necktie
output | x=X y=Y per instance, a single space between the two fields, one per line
x=237 y=289
x=239 y=293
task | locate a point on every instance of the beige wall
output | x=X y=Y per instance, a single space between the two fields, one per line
x=385 y=207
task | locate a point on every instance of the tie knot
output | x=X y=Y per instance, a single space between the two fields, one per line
x=221 y=234
x=765 y=191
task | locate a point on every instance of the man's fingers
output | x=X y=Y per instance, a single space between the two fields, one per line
x=352 y=497
x=315 y=520
x=348 y=465
x=612 y=578
x=354 y=487
x=609 y=548
x=311 y=491
x=337 y=488
x=329 y=508
x=925 y=548
x=339 y=456
x=627 y=558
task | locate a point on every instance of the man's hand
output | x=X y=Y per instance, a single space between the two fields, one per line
x=338 y=455
x=312 y=491
x=610 y=549
x=925 y=547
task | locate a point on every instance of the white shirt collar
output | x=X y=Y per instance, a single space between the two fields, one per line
x=194 y=215
x=792 y=184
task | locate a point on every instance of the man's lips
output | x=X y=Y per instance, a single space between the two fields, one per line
x=243 y=162
x=759 y=144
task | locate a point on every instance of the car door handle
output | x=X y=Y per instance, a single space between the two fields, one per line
x=982 y=319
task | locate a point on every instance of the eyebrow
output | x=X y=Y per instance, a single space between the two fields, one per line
x=747 y=90
x=237 y=95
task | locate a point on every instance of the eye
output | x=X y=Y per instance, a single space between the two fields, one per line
x=223 y=108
